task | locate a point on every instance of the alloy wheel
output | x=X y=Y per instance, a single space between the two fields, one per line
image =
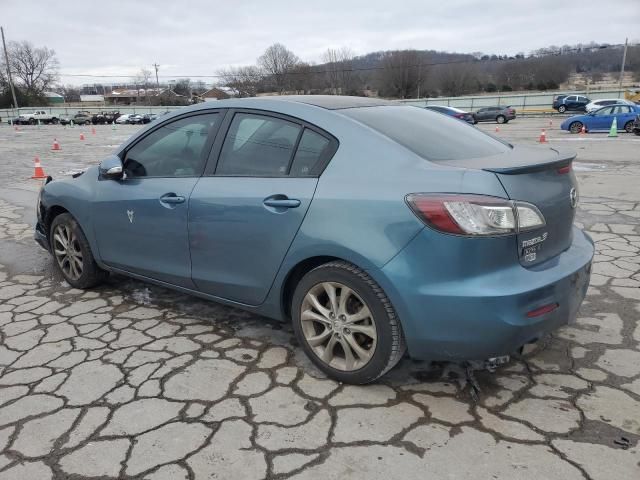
x=575 y=127
x=338 y=326
x=66 y=249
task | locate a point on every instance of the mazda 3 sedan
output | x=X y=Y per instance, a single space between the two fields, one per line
x=374 y=227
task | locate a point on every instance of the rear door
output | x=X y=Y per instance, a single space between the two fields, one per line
x=247 y=209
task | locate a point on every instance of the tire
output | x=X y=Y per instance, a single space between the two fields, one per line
x=64 y=228
x=55 y=121
x=575 y=127
x=32 y=121
x=501 y=119
x=562 y=109
x=628 y=127
x=379 y=341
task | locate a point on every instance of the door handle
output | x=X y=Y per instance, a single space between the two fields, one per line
x=281 y=202
x=171 y=199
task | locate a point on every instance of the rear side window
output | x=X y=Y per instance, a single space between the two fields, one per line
x=313 y=149
x=258 y=145
x=428 y=134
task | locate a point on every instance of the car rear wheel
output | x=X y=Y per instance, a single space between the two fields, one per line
x=575 y=127
x=72 y=253
x=628 y=127
x=501 y=119
x=346 y=324
x=562 y=109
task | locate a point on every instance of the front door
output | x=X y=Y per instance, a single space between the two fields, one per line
x=244 y=217
x=141 y=221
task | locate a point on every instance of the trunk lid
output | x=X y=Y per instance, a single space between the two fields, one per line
x=543 y=177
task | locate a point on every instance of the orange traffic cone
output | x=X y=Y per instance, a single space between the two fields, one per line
x=82 y=136
x=93 y=131
x=497 y=129
x=16 y=128
x=583 y=130
x=56 y=145
x=38 y=172
x=543 y=137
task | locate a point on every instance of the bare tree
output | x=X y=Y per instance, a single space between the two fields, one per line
x=339 y=70
x=278 y=62
x=402 y=74
x=69 y=92
x=456 y=78
x=35 y=68
x=243 y=81
x=142 y=81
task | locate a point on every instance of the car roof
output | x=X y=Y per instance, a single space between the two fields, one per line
x=335 y=102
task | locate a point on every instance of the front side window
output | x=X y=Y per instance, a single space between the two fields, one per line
x=258 y=145
x=173 y=150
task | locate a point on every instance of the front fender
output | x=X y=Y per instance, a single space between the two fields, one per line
x=75 y=195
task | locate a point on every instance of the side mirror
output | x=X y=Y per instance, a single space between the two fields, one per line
x=111 y=168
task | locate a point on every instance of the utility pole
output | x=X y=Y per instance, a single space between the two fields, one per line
x=156 y=66
x=624 y=59
x=6 y=58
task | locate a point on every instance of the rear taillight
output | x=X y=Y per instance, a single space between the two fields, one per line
x=474 y=215
x=459 y=115
x=565 y=169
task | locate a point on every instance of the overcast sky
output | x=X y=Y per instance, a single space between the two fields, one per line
x=193 y=37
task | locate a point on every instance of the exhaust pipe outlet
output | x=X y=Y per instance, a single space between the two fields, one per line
x=491 y=364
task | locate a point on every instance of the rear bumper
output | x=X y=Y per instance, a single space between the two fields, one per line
x=473 y=305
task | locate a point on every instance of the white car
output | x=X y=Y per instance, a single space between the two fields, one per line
x=124 y=118
x=596 y=104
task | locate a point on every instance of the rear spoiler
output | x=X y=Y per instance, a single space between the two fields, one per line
x=517 y=160
x=562 y=160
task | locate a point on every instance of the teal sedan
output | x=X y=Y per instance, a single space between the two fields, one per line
x=601 y=119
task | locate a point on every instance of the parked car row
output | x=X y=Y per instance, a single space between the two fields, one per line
x=601 y=119
x=85 y=118
x=485 y=114
x=564 y=103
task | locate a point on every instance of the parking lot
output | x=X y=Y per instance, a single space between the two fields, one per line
x=134 y=381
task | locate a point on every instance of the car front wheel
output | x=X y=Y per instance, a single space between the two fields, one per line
x=575 y=127
x=346 y=324
x=562 y=109
x=501 y=119
x=72 y=253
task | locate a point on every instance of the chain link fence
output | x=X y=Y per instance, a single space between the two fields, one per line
x=525 y=104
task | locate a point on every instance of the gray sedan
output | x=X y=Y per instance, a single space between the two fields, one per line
x=495 y=114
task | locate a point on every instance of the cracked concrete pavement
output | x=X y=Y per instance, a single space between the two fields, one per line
x=135 y=381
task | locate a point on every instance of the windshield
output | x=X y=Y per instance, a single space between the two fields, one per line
x=431 y=135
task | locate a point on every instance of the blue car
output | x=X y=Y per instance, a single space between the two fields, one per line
x=373 y=227
x=601 y=119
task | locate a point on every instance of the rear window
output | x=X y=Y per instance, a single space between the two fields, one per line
x=431 y=135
